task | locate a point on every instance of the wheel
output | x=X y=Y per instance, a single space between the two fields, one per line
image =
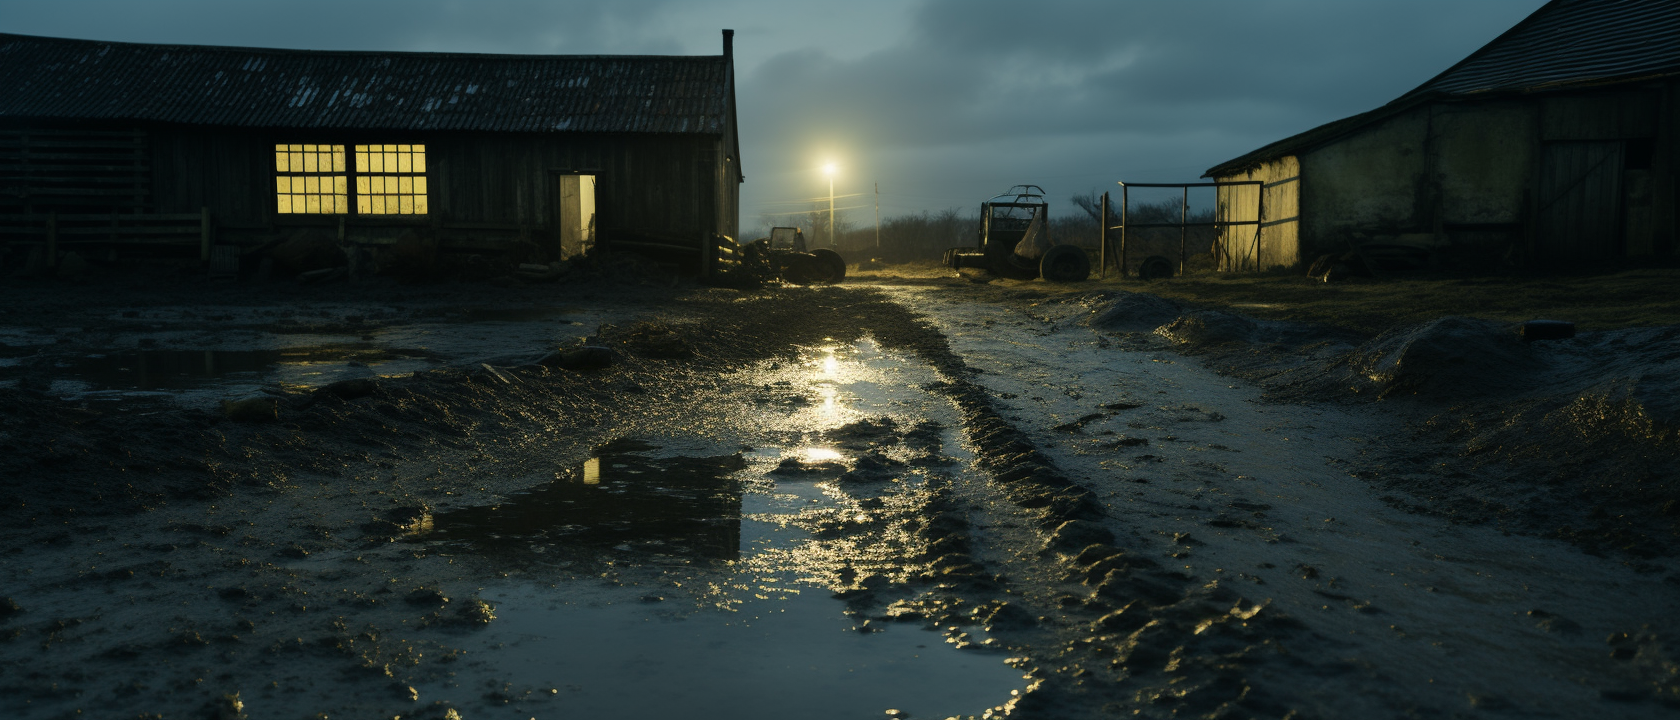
x=1065 y=263
x=1155 y=267
x=836 y=265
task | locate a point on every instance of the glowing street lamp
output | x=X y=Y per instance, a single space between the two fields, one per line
x=829 y=170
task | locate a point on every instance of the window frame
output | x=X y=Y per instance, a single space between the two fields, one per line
x=351 y=174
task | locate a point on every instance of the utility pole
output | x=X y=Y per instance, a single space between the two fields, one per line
x=829 y=170
x=877 y=216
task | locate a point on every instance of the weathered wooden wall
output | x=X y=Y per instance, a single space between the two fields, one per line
x=1276 y=241
x=1556 y=178
x=650 y=188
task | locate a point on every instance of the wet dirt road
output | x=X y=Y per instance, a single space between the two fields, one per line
x=999 y=512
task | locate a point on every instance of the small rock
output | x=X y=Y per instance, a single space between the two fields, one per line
x=251 y=409
x=353 y=388
x=1075 y=535
x=427 y=596
x=228 y=707
x=588 y=357
x=1126 y=619
x=475 y=612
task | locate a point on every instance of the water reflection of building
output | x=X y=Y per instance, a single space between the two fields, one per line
x=678 y=506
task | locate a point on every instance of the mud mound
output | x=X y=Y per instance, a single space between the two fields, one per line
x=1208 y=327
x=1644 y=405
x=1133 y=312
x=1448 y=356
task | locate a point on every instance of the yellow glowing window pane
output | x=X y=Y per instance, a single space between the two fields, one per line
x=340 y=204
x=282 y=184
x=312 y=204
x=285 y=204
x=339 y=184
x=297 y=161
x=338 y=161
x=390 y=179
x=280 y=162
x=297 y=204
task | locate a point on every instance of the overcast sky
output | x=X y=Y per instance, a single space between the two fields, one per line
x=942 y=102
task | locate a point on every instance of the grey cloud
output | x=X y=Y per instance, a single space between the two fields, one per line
x=514 y=26
x=1157 y=85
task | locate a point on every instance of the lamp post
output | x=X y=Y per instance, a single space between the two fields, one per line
x=829 y=170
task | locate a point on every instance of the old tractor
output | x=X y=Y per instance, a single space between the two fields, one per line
x=784 y=255
x=1014 y=241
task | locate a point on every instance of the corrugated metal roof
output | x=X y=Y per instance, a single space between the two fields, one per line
x=1565 y=44
x=1570 y=42
x=255 y=87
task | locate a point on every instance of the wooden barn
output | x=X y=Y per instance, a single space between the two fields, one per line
x=111 y=150
x=1556 y=144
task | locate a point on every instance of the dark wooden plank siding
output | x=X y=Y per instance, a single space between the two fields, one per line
x=652 y=186
x=673 y=189
x=229 y=171
x=1580 y=201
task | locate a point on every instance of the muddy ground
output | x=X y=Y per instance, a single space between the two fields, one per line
x=935 y=496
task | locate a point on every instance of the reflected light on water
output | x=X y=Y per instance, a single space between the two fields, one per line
x=592 y=471
x=831 y=409
x=820 y=455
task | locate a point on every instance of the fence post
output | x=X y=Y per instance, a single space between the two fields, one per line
x=1102 y=238
x=52 y=240
x=204 y=235
x=1125 y=203
x=1183 y=217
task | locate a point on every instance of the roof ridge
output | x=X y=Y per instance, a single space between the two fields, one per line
x=4 y=37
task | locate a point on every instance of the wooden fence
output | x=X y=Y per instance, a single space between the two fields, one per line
x=108 y=231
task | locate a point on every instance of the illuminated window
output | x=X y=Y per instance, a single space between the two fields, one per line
x=310 y=179
x=391 y=179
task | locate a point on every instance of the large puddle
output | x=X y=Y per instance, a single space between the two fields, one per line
x=667 y=578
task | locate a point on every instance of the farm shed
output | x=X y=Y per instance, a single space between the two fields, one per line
x=1555 y=144
x=113 y=149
